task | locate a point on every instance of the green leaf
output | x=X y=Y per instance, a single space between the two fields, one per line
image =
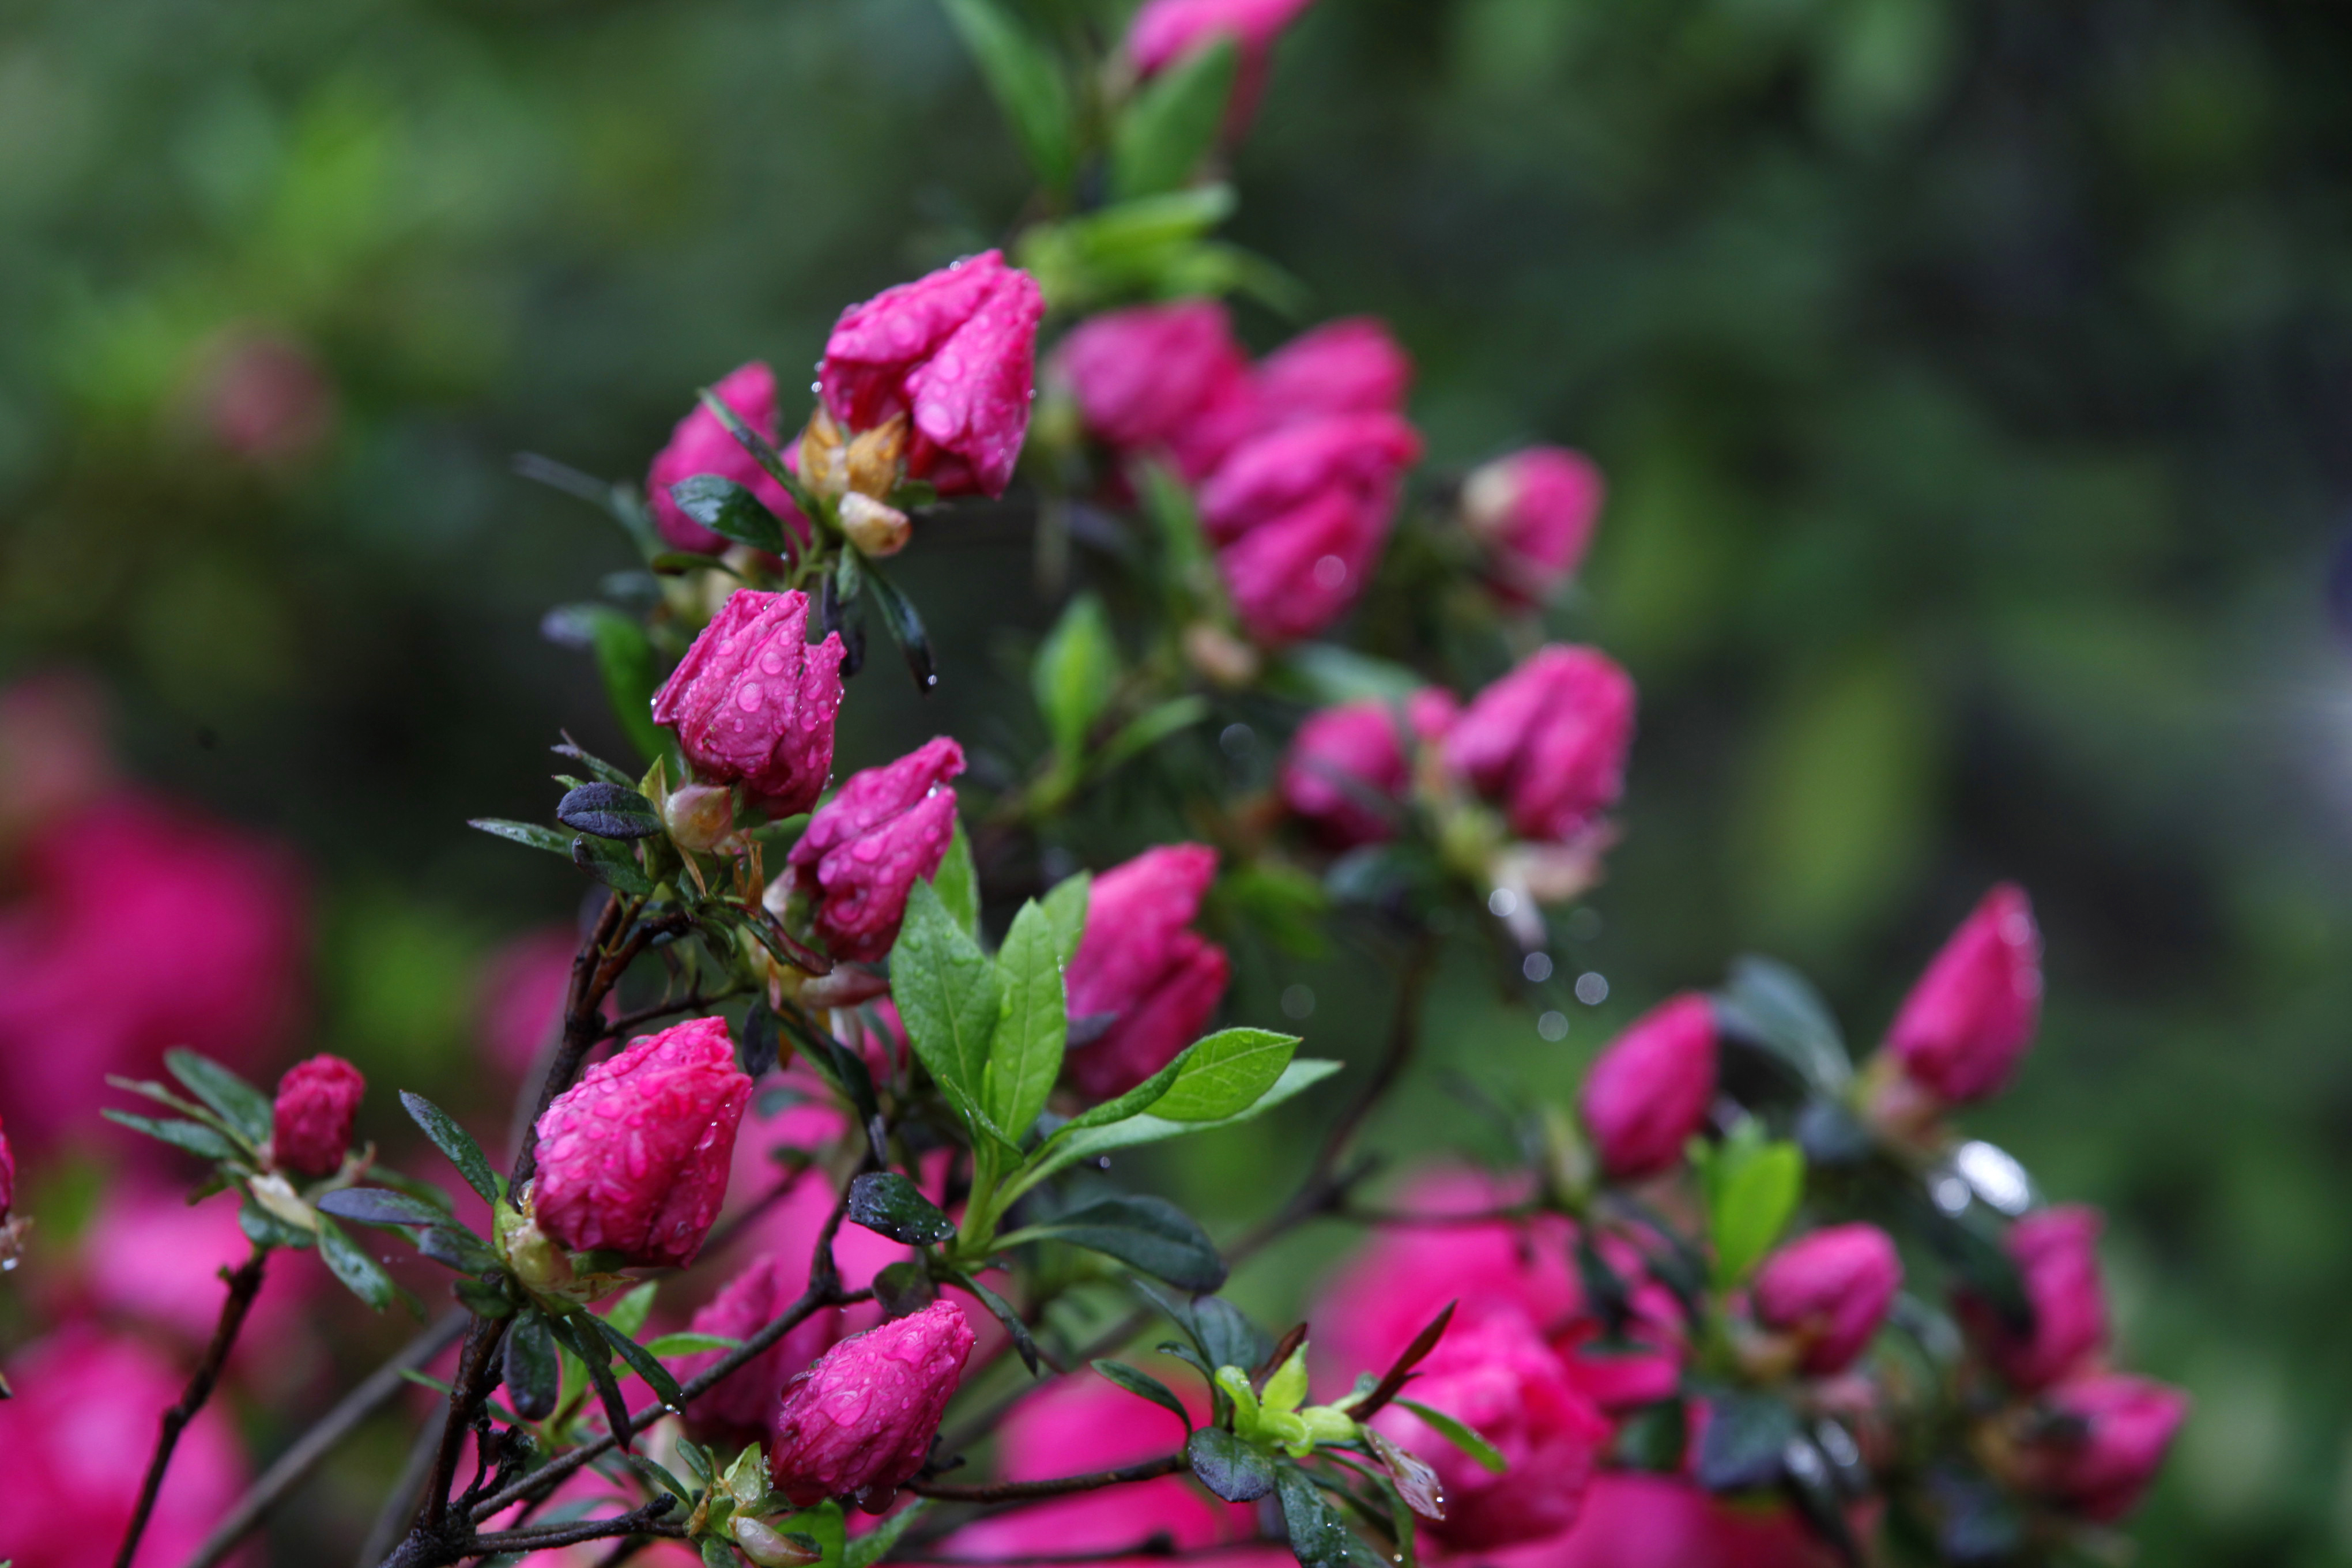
x=597 y=1360
x=687 y=1343
x=1066 y=906
x=1002 y=1309
x=1319 y=1538
x=732 y=511
x=658 y=1376
x=1752 y=1188
x=889 y=1205
x=615 y=865
x=150 y=1090
x=1024 y=1054
x=1170 y=125
x=533 y=1376
x=529 y=834
x=1144 y=1385
x=874 y=1544
x=1461 y=1436
x=266 y=1230
x=380 y=1205
x=608 y=811
x=764 y=451
x=947 y=997
x=1146 y=1233
x=1227 y=1336
x=1093 y=1141
x=1075 y=670
x=624 y=661
x=359 y=1273
x=958 y=882
x=1027 y=84
x=629 y=1313
x=906 y=630
x=234 y=1100
x=1770 y=1003
x=1225 y=1074
x=1228 y=1467
x=594 y=764
x=455 y=1141
x=1149 y=728
x=193 y=1136
x=1327 y=674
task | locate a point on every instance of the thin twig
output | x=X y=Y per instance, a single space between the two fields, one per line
x=694 y=1002
x=243 y=1286
x=1061 y=1486
x=643 y=1521
x=330 y=1429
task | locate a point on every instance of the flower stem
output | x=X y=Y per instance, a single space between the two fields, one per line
x=243 y=1287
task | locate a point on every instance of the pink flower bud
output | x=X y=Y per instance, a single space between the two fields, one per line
x=1167 y=379
x=633 y=1158
x=953 y=351
x=2057 y=1255
x=738 y=1411
x=1830 y=1290
x=1547 y=741
x=1535 y=511
x=700 y=445
x=754 y=702
x=1347 y=773
x=1498 y=1377
x=2109 y=1441
x=1351 y=366
x=1650 y=1090
x=866 y=847
x=1299 y=516
x=1165 y=31
x=1973 y=1013
x=1639 y=1518
x=1138 y=964
x=860 y=1422
x=312 y=1128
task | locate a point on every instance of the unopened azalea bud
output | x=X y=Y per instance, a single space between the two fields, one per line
x=311 y=1126
x=1534 y=511
x=876 y=528
x=1167 y=380
x=875 y=461
x=699 y=817
x=1650 y=1090
x=1831 y=1290
x=702 y=444
x=954 y=354
x=1167 y=31
x=1220 y=656
x=2097 y=1458
x=632 y=1159
x=859 y=1422
x=1547 y=741
x=768 y=1546
x=1139 y=967
x=754 y=702
x=1347 y=773
x=2056 y=1251
x=866 y=849
x=738 y=1409
x=1973 y=1013
x=1351 y=366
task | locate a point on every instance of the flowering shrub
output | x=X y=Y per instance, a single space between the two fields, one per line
x=1743 y=1302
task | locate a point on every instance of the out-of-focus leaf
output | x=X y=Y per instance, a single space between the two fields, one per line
x=1146 y=1233
x=1170 y=124
x=1151 y=726
x=1770 y=1003
x=1752 y=1185
x=1027 y=84
x=1075 y=672
x=1745 y=1437
x=887 y=1202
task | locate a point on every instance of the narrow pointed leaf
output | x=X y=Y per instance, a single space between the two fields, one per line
x=236 y=1101
x=1460 y=1435
x=642 y=1361
x=526 y=833
x=380 y=1205
x=1145 y=1233
x=1022 y=1341
x=359 y=1273
x=1144 y=1385
x=1025 y=1051
x=193 y=1137
x=455 y=1141
x=533 y=1376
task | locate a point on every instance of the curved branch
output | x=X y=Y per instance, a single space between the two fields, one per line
x=1062 y=1486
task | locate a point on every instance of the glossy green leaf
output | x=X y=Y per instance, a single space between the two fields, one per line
x=1025 y=1053
x=947 y=997
x=1066 y=906
x=359 y=1273
x=1228 y=1467
x=533 y=1376
x=234 y=1100
x=1093 y=1142
x=1460 y=1435
x=730 y=510
x=1319 y=1538
x=1225 y=1074
x=381 y=1207
x=455 y=1141
x=889 y=1205
x=1145 y=1233
x=958 y=882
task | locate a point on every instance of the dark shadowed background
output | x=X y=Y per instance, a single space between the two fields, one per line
x=1974 y=380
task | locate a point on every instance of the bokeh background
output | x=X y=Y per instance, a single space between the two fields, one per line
x=1974 y=382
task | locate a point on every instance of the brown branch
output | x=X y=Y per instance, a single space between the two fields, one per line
x=643 y=1521
x=243 y=1286
x=1062 y=1486
x=693 y=1002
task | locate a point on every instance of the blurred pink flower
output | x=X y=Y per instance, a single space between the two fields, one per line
x=2056 y=1251
x=1166 y=379
x=753 y=702
x=1535 y=513
x=1974 y=1012
x=860 y=1421
x=140 y=926
x=74 y=1442
x=522 y=994
x=1648 y=1091
x=1349 y=366
x=1830 y=1289
x=741 y=1409
x=1347 y=762
x=700 y=445
x=53 y=749
x=1166 y=31
x=311 y=1128
x=866 y=847
x=1547 y=741
x=1140 y=966
x=2111 y=1439
x=150 y=1258
x=263 y=396
x=955 y=352
x=1637 y=1520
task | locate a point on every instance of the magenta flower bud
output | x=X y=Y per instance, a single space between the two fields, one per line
x=633 y=1158
x=1166 y=379
x=1648 y=1093
x=1347 y=773
x=753 y=702
x=1547 y=741
x=700 y=445
x=1351 y=366
x=2100 y=1458
x=1166 y=31
x=1973 y=1013
x=1497 y=1376
x=955 y=352
x=311 y=1130
x=866 y=847
x=1299 y=516
x=2057 y=1255
x=1139 y=969
x=1830 y=1290
x=1535 y=511
x=738 y=1411
x=860 y=1422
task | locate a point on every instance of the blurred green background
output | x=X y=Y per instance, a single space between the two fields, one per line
x=1975 y=383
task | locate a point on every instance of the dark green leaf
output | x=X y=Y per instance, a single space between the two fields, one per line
x=1149 y=728
x=844 y=1068
x=613 y=864
x=888 y=1204
x=1745 y=1437
x=609 y=811
x=362 y=1273
x=947 y=993
x=234 y=1100
x=641 y=1361
x=1225 y=1074
x=1075 y=672
x=195 y=1137
x=1653 y=1437
x=380 y=1205
x=904 y=1289
x=266 y=1230
x=532 y=1375
x=454 y=1246
x=1002 y=1309
x=455 y=1141
x=484 y=1298
x=761 y=1044
x=764 y=451
x=906 y=629
x=1027 y=82
x=1319 y=1538
x=597 y=1360
x=1025 y=1053
x=958 y=882
x=1228 y=1467
x=730 y=510
x=1170 y=125
x=1146 y=1233
x=1772 y=1005
x=1227 y=1335
x=1461 y=1436
x=525 y=832
x=1144 y=1385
